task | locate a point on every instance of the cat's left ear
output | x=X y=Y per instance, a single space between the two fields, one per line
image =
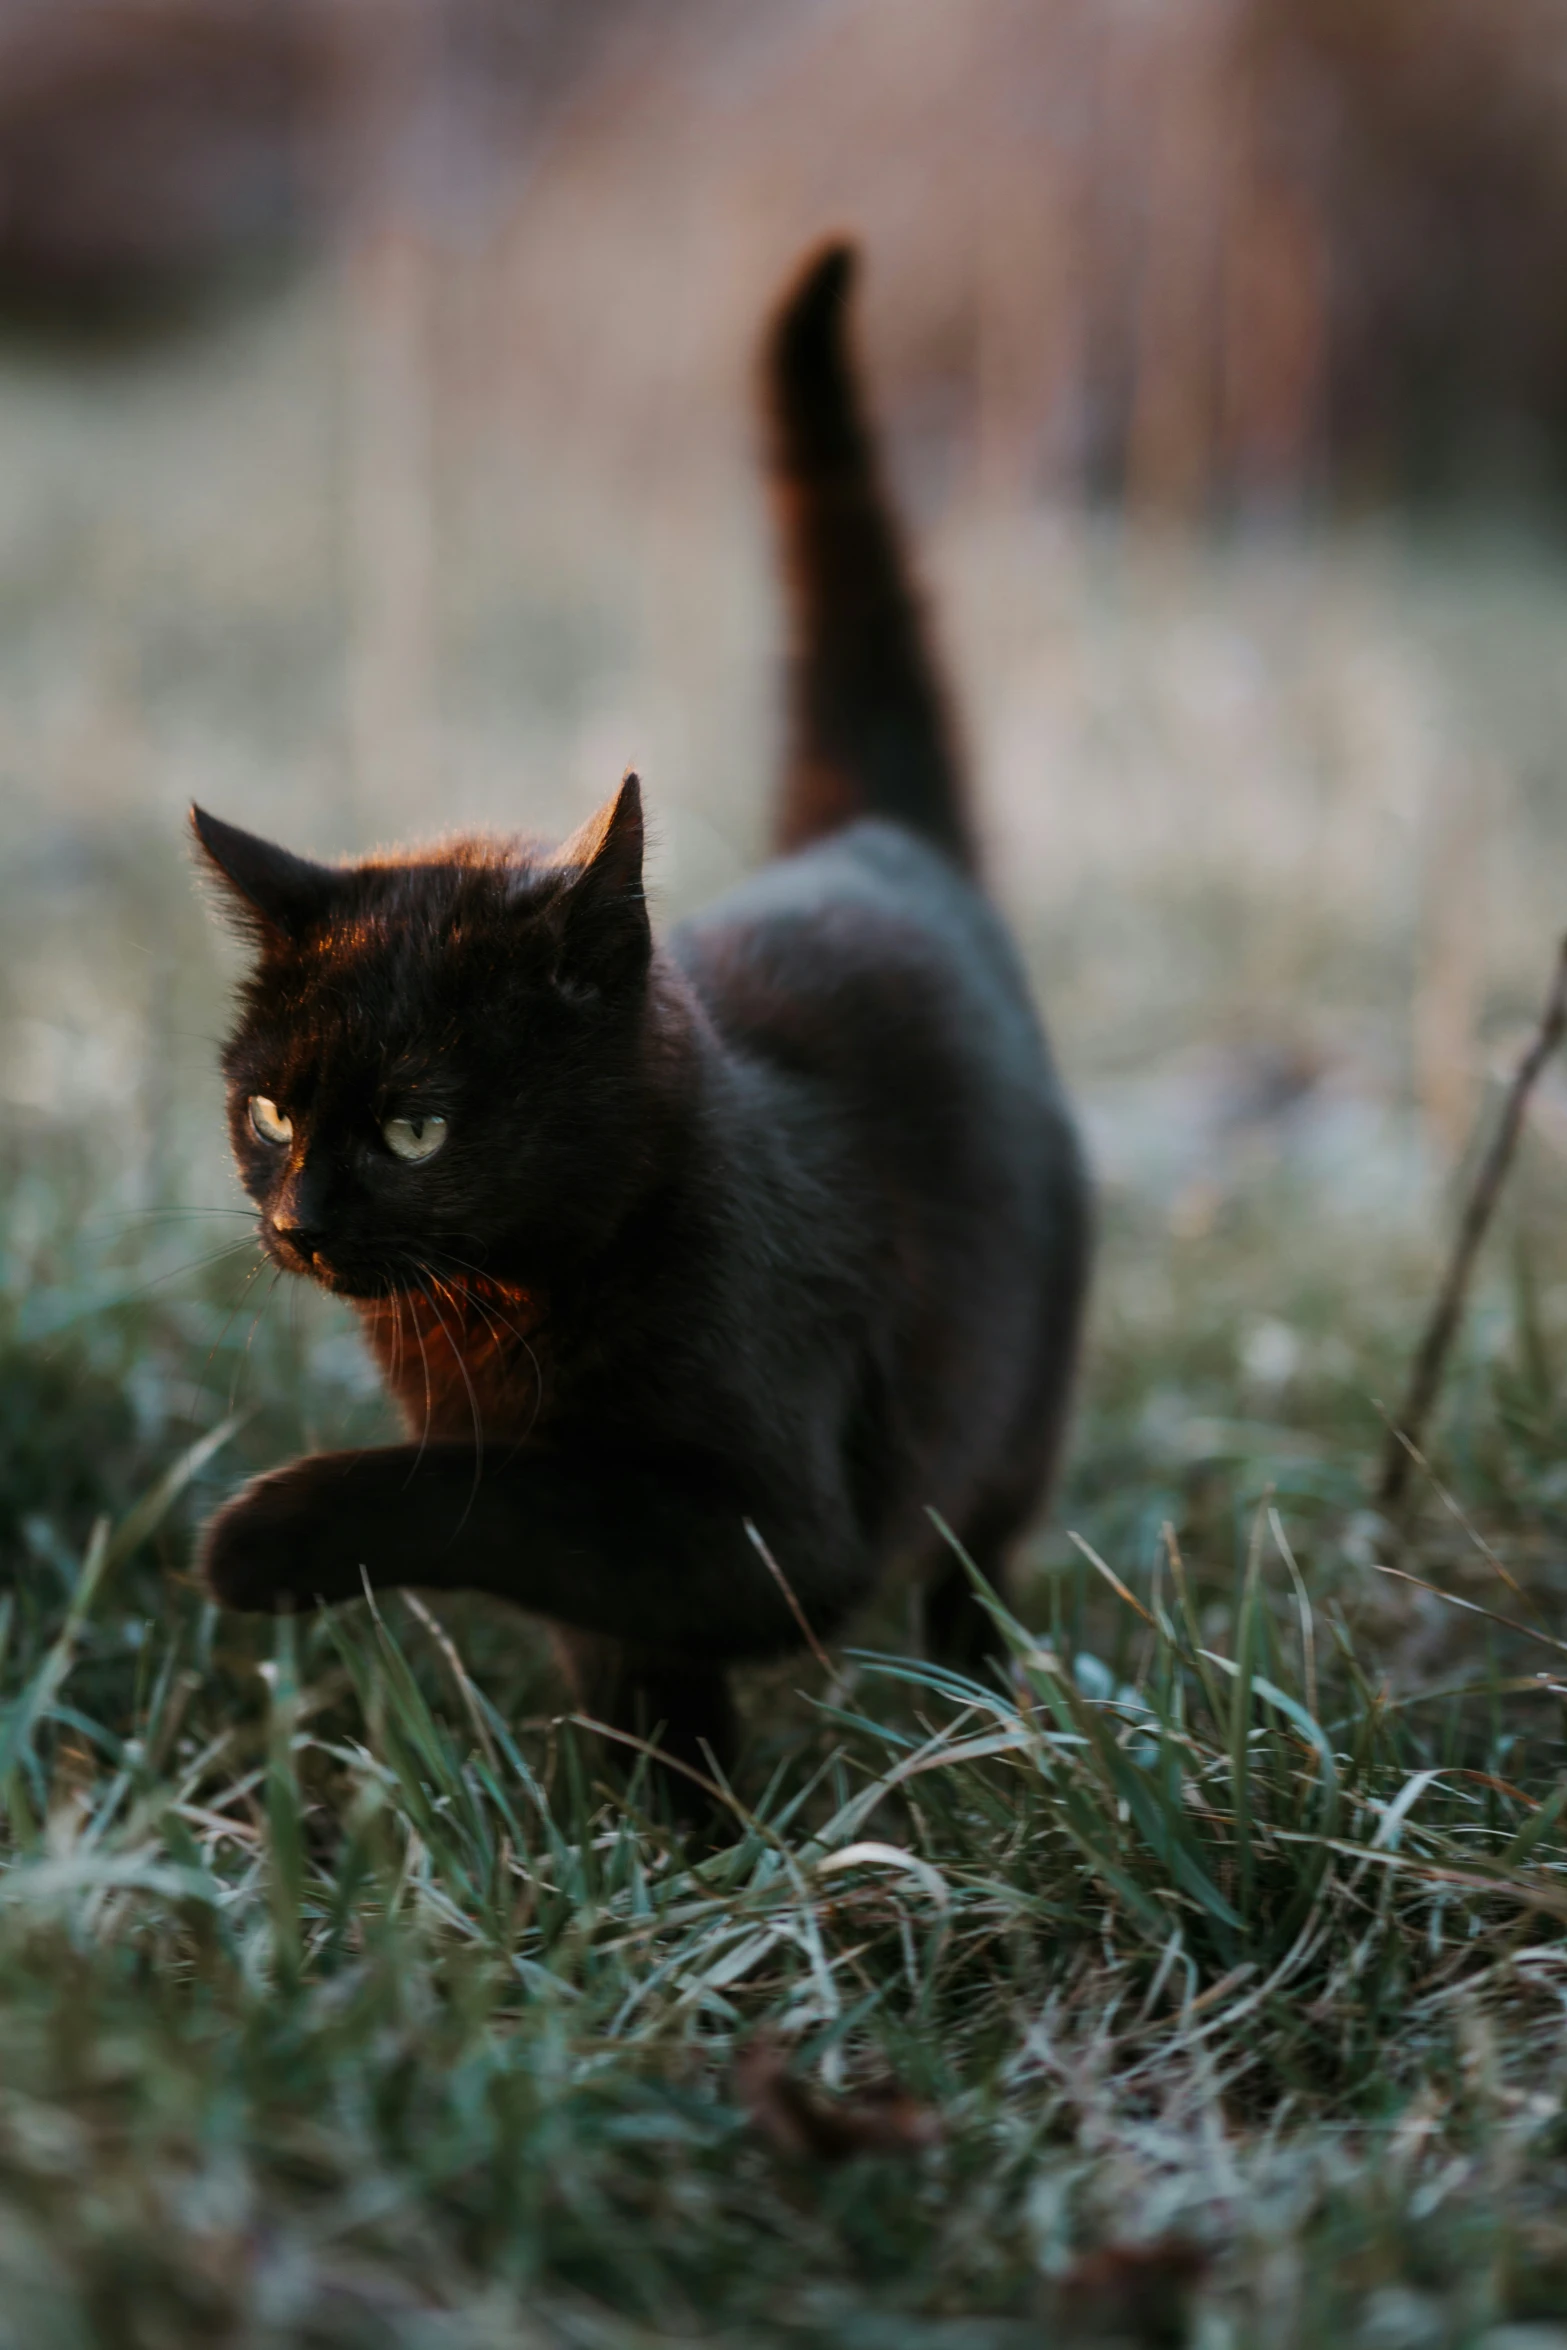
x=600 y=916
x=277 y=896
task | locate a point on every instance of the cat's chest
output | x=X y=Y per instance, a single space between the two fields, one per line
x=456 y=1358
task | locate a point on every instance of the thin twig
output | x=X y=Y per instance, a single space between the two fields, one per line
x=1472 y=1607
x=1417 y=1460
x=666 y=1762
x=459 y=1672
x=1308 y=1631
x=1113 y=1579
x=795 y=1609
x=1430 y=1360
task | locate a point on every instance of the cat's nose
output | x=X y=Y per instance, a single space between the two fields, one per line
x=302 y=1210
x=306 y=1238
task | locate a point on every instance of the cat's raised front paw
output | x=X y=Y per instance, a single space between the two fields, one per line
x=261 y=1552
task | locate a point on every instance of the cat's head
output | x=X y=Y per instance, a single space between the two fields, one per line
x=441 y=1064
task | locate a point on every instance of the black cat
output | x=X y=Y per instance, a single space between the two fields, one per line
x=782 y=1222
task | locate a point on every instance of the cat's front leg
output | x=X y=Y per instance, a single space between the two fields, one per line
x=305 y=1534
x=659 y=1559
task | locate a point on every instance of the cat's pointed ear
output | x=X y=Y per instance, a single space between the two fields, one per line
x=278 y=896
x=600 y=914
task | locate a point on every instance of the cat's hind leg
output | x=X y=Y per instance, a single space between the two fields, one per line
x=681 y=1707
x=960 y=1630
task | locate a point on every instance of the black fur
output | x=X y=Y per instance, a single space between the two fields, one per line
x=781 y=1222
x=870 y=730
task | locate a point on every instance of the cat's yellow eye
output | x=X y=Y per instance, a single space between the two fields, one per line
x=268 y=1121
x=414 y=1138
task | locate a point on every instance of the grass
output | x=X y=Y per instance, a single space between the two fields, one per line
x=350 y=1995
x=1215 y=1940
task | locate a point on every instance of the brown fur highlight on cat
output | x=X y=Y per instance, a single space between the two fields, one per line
x=778 y=1222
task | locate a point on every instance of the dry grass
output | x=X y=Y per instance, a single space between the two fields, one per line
x=1213 y=1945
x=1220 y=1931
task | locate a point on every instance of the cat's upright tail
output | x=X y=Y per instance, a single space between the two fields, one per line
x=869 y=731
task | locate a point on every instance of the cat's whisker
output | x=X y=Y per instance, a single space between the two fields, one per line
x=486 y=1307
x=536 y=1367
x=243 y=1365
x=395 y=1301
x=538 y=1392
x=495 y=1322
x=458 y=1359
x=457 y=1300
x=523 y=1340
x=491 y=1317
x=161 y=1215
x=176 y=1272
x=137 y=1220
x=238 y=1307
x=429 y=1398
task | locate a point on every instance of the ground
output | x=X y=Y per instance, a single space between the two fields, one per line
x=1197 y=1975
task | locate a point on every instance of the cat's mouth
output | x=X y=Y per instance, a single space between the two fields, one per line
x=330 y=1266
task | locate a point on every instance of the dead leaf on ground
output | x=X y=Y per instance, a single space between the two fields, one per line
x=802 y=2121
x=1133 y=2293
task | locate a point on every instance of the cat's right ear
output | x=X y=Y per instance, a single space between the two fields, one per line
x=600 y=918
x=277 y=896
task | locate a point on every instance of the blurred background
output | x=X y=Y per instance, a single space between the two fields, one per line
x=378 y=457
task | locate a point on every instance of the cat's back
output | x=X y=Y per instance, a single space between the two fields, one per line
x=870 y=953
x=916 y=1204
